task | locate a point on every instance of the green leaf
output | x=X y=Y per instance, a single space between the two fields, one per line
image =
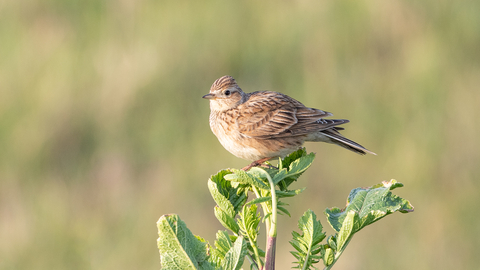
x=307 y=245
x=280 y=175
x=332 y=242
x=346 y=231
x=261 y=253
x=259 y=200
x=220 y=199
x=297 y=163
x=246 y=178
x=392 y=184
x=296 y=168
x=370 y=204
x=226 y=220
x=267 y=216
x=283 y=210
x=293 y=156
x=230 y=199
x=262 y=175
x=228 y=255
x=288 y=193
x=328 y=257
x=236 y=255
x=222 y=245
x=248 y=222
x=280 y=194
x=179 y=248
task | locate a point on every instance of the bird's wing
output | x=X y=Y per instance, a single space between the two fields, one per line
x=271 y=115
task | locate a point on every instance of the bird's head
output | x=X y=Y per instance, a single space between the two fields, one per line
x=225 y=94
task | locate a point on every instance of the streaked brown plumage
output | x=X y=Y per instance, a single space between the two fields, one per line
x=263 y=125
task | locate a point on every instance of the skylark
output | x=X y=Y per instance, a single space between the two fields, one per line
x=263 y=125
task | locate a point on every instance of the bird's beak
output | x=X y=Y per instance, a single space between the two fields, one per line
x=209 y=96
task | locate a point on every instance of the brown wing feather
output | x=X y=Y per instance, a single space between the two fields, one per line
x=266 y=113
x=271 y=115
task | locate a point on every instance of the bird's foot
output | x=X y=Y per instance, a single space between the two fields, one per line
x=258 y=163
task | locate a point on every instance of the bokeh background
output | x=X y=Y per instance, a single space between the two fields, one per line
x=103 y=129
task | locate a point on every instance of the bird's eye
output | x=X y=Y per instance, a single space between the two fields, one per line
x=227 y=93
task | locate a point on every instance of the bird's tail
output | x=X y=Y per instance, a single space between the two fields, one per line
x=338 y=139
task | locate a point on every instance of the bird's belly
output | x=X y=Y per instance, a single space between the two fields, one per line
x=238 y=146
x=254 y=149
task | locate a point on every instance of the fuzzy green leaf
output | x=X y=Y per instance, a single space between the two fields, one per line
x=370 y=204
x=288 y=193
x=280 y=175
x=220 y=199
x=260 y=174
x=230 y=199
x=296 y=168
x=259 y=200
x=332 y=242
x=292 y=166
x=328 y=257
x=346 y=231
x=236 y=255
x=246 y=178
x=280 y=194
x=179 y=248
x=226 y=220
x=307 y=245
x=248 y=222
x=228 y=254
x=283 y=210
x=223 y=244
x=293 y=156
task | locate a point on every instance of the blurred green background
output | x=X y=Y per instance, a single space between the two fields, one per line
x=103 y=129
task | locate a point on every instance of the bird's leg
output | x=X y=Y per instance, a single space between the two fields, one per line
x=256 y=163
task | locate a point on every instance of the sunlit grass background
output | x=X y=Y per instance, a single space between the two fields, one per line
x=103 y=129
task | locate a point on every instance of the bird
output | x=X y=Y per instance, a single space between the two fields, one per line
x=264 y=125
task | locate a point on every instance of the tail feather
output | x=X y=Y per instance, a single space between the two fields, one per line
x=339 y=140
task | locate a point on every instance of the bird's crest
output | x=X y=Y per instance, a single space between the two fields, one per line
x=223 y=82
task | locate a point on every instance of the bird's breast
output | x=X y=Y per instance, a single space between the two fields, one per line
x=226 y=130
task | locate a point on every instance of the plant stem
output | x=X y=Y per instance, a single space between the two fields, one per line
x=252 y=262
x=264 y=208
x=272 y=233
x=255 y=251
x=273 y=228
x=257 y=256
x=306 y=258
x=270 y=255
x=270 y=223
x=267 y=225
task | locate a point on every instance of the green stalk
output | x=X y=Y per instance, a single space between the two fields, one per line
x=272 y=232
x=264 y=208
x=270 y=223
x=257 y=256
x=273 y=228
x=306 y=258
x=253 y=244
x=252 y=262
x=270 y=255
